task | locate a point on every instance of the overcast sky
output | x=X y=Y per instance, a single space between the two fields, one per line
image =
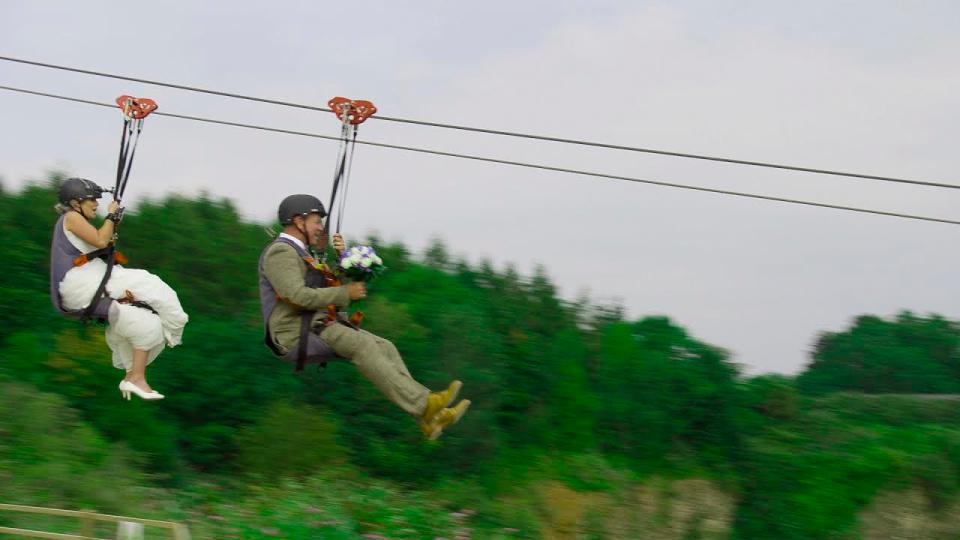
x=871 y=87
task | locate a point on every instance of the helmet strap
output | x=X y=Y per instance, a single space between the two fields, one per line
x=75 y=206
x=302 y=229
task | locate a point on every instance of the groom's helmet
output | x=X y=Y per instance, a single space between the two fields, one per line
x=80 y=189
x=299 y=205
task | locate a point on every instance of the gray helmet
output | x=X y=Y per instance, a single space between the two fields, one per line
x=79 y=188
x=299 y=205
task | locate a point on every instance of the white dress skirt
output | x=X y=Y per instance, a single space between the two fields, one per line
x=129 y=327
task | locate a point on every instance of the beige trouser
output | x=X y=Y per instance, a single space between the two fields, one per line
x=380 y=362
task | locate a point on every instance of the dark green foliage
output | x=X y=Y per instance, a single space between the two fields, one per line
x=663 y=392
x=909 y=354
x=541 y=373
x=809 y=476
x=291 y=439
x=574 y=384
x=49 y=456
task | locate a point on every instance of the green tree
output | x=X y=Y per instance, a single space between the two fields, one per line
x=909 y=354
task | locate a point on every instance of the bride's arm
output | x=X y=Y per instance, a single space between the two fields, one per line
x=88 y=233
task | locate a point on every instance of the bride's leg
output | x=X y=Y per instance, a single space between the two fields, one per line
x=149 y=288
x=138 y=372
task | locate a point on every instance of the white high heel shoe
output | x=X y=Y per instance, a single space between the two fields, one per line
x=127 y=387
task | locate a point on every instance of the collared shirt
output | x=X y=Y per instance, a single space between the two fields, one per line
x=294 y=239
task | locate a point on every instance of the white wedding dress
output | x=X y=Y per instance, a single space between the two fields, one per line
x=130 y=327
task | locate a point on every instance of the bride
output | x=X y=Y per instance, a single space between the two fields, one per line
x=145 y=314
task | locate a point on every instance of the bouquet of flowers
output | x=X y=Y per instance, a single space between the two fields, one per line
x=361 y=263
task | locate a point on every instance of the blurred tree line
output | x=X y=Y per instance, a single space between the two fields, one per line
x=543 y=373
x=909 y=354
x=547 y=376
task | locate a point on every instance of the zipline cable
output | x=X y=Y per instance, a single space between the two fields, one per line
x=547 y=138
x=513 y=163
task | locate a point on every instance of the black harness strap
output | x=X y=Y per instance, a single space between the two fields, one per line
x=315 y=280
x=338 y=176
x=128 y=148
x=108 y=254
x=351 y=146
x=101 y=253
x=110 y=260
x=341 y=178
x=142 y=305
x=122 y=155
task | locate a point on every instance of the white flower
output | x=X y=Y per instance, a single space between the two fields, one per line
x=355 y=258
x=377 y=260
x=366 y=263
x=346 y=263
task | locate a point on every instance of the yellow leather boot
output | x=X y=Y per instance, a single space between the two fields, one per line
x=446 y=417
x=436 y=401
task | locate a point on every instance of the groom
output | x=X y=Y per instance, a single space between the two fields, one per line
x=290 y=286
